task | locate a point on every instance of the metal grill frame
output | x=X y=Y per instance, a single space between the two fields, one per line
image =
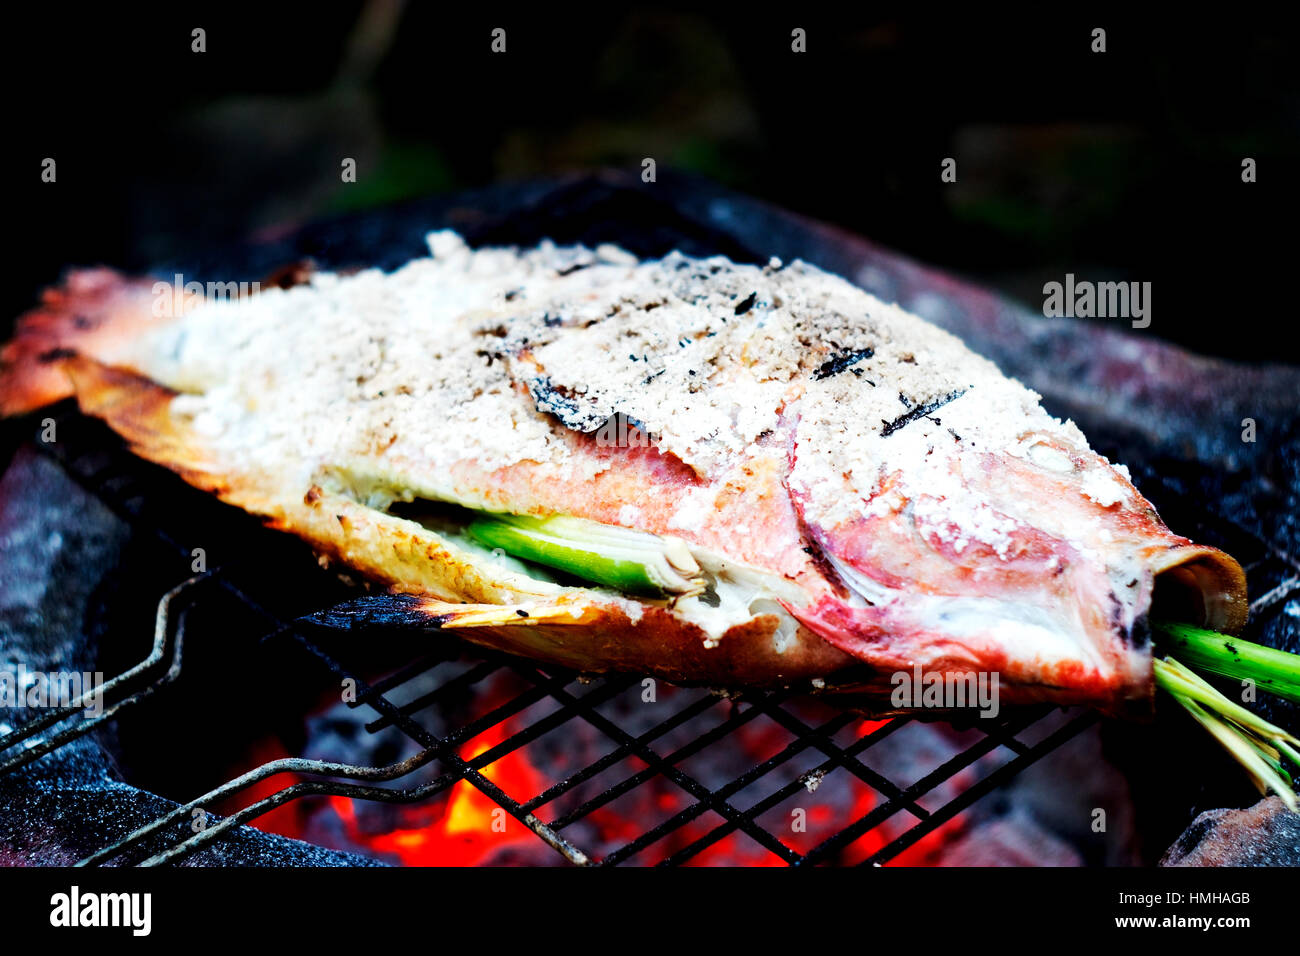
x=168 y=839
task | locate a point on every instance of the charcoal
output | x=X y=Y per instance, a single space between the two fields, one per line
x=1267 y=834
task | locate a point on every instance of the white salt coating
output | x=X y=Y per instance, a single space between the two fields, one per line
x=694 y=506
x=1103 y=489
x=474 y=355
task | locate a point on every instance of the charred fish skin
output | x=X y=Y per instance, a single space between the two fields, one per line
x=856 y=484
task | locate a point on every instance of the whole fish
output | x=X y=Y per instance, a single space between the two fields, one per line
x=777 y=477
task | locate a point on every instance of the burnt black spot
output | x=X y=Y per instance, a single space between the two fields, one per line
x=513 y=294
x=570 y=270
x=561 y=402
x=838 y=363
x=630 y=422
x=573 y=409
x=746 y=304
x=54 y=355
x=920 y=411
x=521 y=612
x=377 y=611
x=1139 y=635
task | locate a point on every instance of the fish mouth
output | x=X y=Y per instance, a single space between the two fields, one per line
x=1200 y=585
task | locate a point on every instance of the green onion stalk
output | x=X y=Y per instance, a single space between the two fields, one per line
x=1267 y=752
x=635 y=562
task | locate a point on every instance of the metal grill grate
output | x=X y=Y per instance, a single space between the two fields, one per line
x=542 y=700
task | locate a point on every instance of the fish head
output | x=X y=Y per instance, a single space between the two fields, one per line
x=968 y=539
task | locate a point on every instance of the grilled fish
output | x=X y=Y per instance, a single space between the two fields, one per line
x=838 y=487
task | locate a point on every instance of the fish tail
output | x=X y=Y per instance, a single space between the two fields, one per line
x=84 y=316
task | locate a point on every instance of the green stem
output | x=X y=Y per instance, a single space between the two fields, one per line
x=1272 y=670
x=1180 y=680
x=1252 y=741
x=630 y=561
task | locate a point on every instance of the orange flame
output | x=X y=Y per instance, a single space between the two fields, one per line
x=471 y=827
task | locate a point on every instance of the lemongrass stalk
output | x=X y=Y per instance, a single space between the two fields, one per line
x=1177 y=679
x=631 y=561
x=1288 y=751
x=1252 y=741
x=1277 y=672
x=1244 y=752
x=1232 y=710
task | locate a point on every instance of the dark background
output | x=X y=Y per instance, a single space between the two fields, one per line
x=1123 y=165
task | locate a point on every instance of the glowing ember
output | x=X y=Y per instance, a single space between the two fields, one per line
x=466 y=827
x=470 y=827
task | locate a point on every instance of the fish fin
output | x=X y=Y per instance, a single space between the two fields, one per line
x=373 y=610
x=87 y=315
x=529 y=613
x=412 y=610
x=139 y=410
